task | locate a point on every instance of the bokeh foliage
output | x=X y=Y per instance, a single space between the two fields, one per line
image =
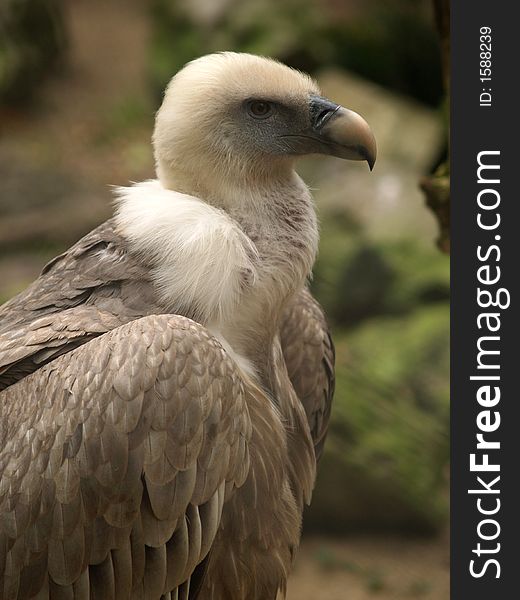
x=394 y=44
x=388 y=446
x=32 y=39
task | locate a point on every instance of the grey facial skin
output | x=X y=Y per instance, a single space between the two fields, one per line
x=316 y=126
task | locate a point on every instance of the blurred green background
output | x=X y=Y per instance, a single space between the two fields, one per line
x=79 y=84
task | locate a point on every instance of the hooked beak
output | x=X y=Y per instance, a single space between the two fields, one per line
x=350 y=136
x=337 y=131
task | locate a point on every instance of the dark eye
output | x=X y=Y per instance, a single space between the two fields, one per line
x=260 y=109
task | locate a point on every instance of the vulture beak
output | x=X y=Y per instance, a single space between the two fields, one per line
x=341 y=132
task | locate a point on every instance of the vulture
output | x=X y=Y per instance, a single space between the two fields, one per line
x=166 y=382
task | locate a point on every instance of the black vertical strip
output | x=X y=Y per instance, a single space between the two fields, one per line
x=476 y=129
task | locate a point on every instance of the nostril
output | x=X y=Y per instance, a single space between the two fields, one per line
x=324 y=116
x=321 y=111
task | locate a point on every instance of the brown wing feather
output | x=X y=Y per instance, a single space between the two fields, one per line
x=106 y=483
x=92 y=288
x=309 y=355
x=124 y=490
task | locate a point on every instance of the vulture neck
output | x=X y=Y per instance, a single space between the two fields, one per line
x=274 y=208
x=230 y=259
x=276 y=213
x=230 y=187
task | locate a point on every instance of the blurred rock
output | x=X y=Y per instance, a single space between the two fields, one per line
x=406 y=131
x=387 y=202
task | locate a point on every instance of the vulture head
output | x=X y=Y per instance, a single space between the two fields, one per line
x=247 y=118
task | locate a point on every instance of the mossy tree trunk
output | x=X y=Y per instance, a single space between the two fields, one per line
x=437 y=186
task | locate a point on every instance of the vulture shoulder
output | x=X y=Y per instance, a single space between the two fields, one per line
x=90 y=289
x=116 y=461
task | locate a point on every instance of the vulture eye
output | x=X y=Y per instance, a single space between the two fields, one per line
x=260 y=109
